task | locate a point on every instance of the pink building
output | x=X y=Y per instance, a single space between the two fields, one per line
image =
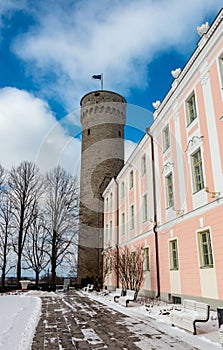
x=172 y=207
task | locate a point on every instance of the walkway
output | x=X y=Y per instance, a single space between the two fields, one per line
x=74 y=321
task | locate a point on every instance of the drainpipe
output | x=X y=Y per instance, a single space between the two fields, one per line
x=155 y=215
x=117 y=240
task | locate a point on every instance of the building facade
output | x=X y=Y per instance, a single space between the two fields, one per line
x=169 y=194
x=103 y=115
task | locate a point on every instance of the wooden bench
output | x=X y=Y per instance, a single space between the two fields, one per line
x=191 y=313
x=116 y=295
x=130 y=296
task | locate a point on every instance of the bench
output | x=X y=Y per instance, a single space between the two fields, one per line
x=116 y=295
x=130 y=296
x=191 y=313
x=220 y=332
x=89 y=288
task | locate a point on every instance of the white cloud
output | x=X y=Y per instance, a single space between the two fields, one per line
x=118 y=38
x=29 y=131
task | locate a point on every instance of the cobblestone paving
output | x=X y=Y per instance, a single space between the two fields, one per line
x=74 y=321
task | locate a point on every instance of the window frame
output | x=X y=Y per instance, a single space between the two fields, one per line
x=110 y=230
x=143 y=165
x=197 y=185
x=173 y=254
x=208 y=254
x=131 y=179
x=122 y=189
x=123 y=222
x=146 y=260
x=166 y=138
x=191 y=108
x=106 y=233
x=144 y=208
x=111 y=200
x=132 y=217
x=169 y=193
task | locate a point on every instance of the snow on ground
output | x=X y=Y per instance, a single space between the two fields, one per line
x=20 y=313
x=207 y=337
x=18 y=321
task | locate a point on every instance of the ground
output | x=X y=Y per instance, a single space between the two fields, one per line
x=79 y=320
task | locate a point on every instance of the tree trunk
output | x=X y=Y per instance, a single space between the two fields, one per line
x=37 y=279
x=19 y=268
x=53 y=262
x=3 y=277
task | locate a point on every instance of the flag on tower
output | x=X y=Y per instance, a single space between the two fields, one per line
x=96 y=76
x=99 y=77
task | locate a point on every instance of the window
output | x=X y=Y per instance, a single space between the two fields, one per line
x=169 y=190
x=197 y=171
x=111 y=200
x=144 y=213
x=122 y=189
x=173 y=255
x=106 y=233
x=191 y=109
x=166 y=138
x=89 y=132
x=123 y=223
x=143 y=165
x=106 y=204
x=206 y=258
x=132 y=217
x=131 y=180
x=110 y=238
x=146 y=259
x=221 y=70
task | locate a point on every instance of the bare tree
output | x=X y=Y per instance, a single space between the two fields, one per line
x=35 y=247
x=62 y=200
x=5 y=228
x=128 y=265
x=2 y=178
x=25 y=190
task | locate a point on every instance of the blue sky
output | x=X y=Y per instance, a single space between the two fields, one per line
x=50 y=49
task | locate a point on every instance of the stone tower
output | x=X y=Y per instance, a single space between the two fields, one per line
x=103 y=116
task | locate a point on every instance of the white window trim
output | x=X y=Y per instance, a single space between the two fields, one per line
x=131 y=179
x=166 y=190
x=165 y=147
x=188 y=124
x=144 y=208
x=200 y=230
x=143 y=165
x=146 y=270
x=171 y=268
x=132 y=217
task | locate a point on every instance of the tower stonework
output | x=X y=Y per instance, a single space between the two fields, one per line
x=103 y=117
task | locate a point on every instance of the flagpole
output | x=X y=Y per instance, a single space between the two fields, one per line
x=101 y=81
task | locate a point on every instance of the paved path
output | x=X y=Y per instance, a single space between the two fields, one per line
x=74 y=321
